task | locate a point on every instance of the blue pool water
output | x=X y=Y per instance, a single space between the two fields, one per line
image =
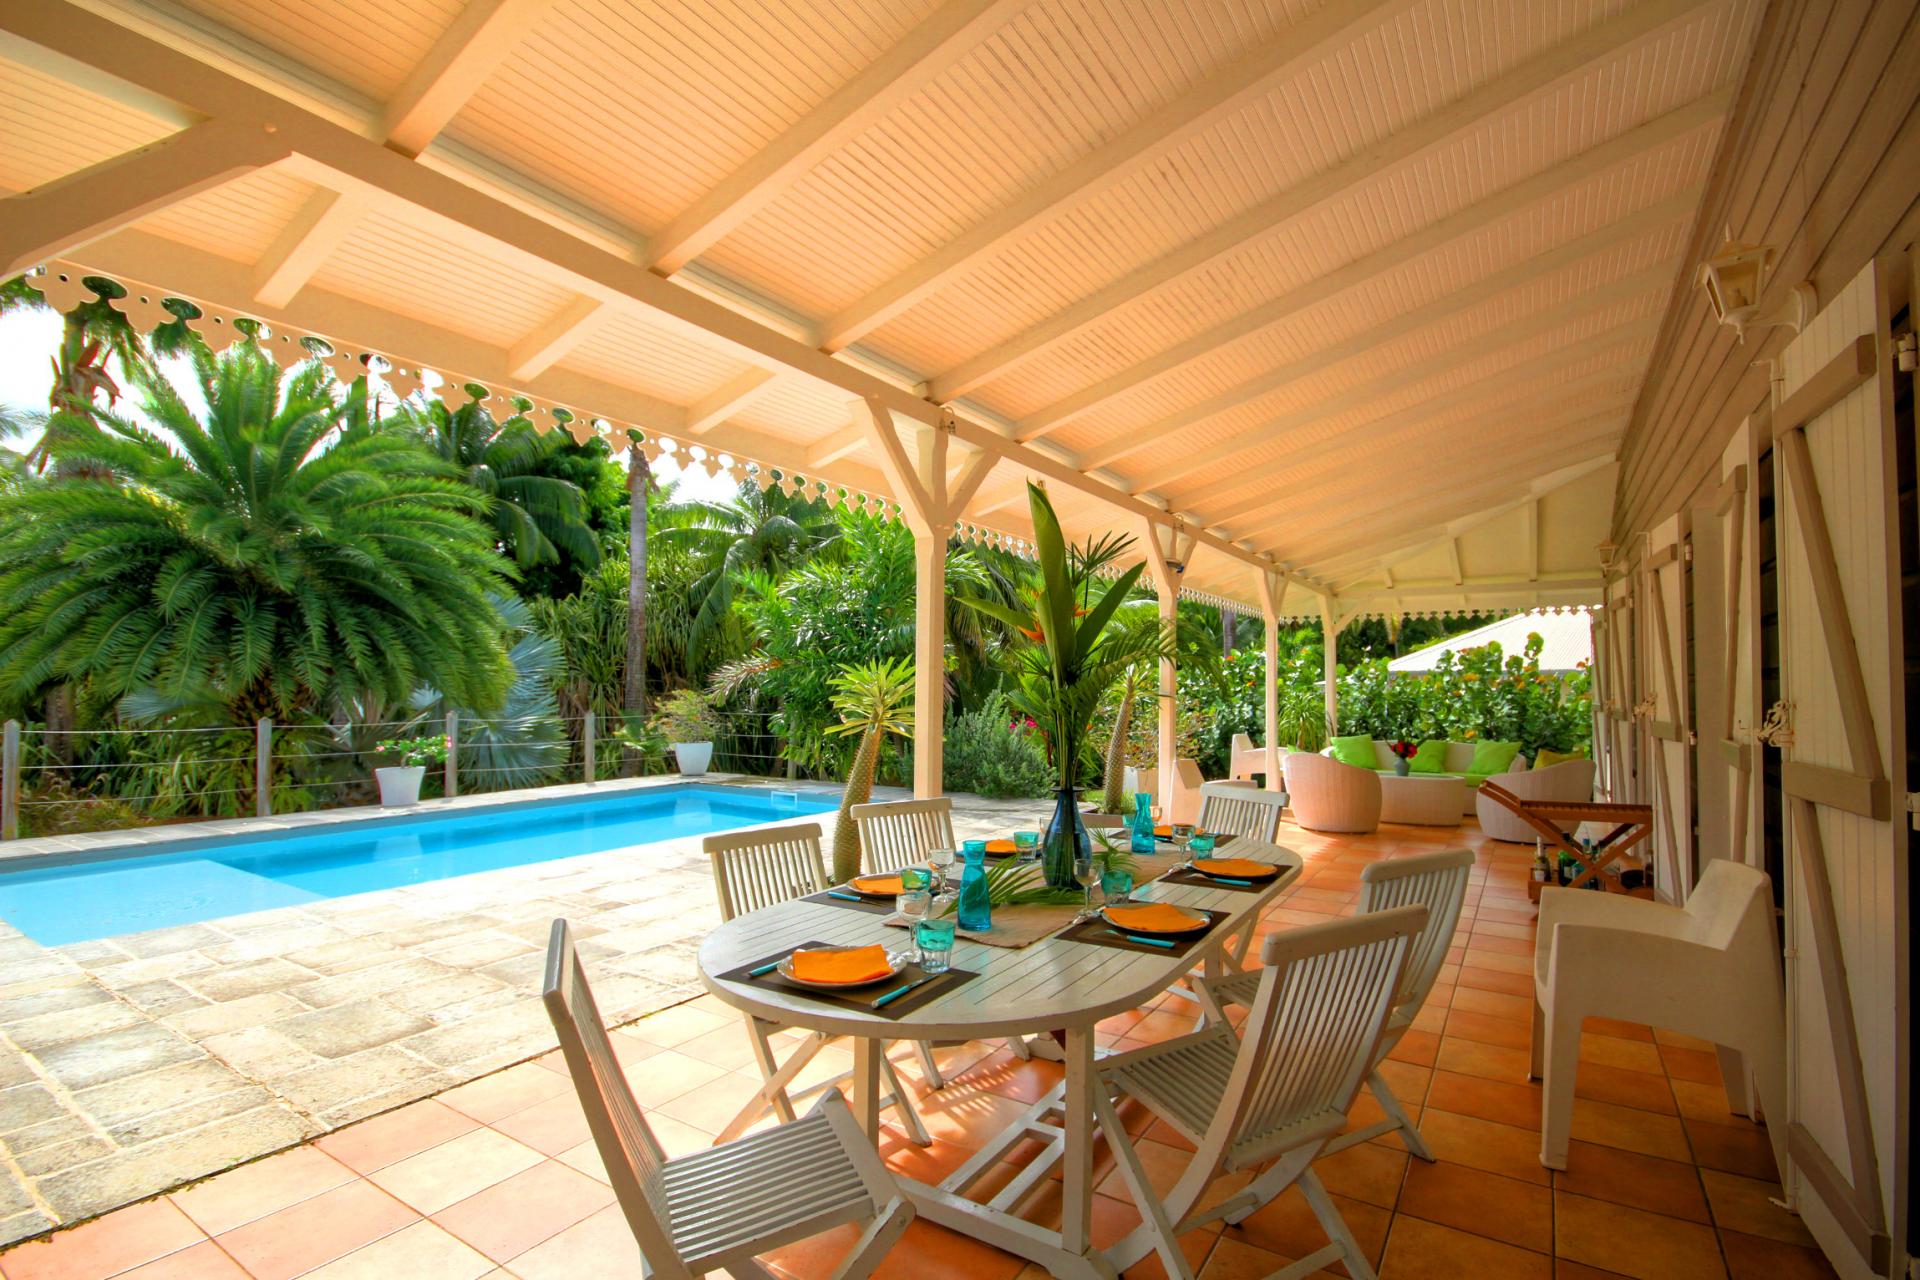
x=57 y=904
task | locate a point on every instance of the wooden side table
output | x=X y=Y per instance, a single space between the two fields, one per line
x=1632 y=824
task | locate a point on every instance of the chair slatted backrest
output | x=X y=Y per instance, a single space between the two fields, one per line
x=1242 y=811
x=755 y=869
x=635 y=1163
x=1325 y=994
x=1436 y=881
x=898 y=833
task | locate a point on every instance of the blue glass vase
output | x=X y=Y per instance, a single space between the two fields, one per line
x=976 y=912
x=1140 y=827
x=1065 y=840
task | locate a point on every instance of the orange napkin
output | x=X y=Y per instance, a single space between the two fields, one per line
x=852 y=965
x=1002 y=846
x=1244 y=868
x=879 y=884
x=1154 y=917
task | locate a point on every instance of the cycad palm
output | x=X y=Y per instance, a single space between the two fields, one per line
x=874 y=699
x=536 y=517
x=282 y=558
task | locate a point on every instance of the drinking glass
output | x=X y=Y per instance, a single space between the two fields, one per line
x=1026 y=844
x=1182 y=833
x=914 y=907
x=1116 y=886
x=1200 y=844
x=915 y=878
x=936 y=943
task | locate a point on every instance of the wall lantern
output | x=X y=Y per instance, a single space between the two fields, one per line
x=1735 y=279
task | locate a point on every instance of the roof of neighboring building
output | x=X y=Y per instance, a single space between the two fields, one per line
x=1567 y=641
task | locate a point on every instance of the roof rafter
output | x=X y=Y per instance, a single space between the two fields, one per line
x=1519 y=274
x=953 y=31
x=1228 y=92
x=483 y=34
x=1448 y=124
x=547 y=345
x=728 y=400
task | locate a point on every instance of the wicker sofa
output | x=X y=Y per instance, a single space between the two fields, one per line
x=1459 y=757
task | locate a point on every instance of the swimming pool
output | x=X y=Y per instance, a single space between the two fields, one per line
x=55 y=903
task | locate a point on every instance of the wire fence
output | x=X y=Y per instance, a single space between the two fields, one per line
x=62 y=781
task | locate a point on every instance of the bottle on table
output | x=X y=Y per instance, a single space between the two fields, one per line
x=1140 y=827
x=976 y=912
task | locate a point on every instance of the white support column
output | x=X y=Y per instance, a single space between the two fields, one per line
x=1330 y=628
x=931 y=503
x=1167 y=553
x=1273 y=593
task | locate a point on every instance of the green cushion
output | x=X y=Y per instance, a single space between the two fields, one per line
x=1547 y=759
x=1430 y=758
x=1492 y=757
x=1356 y=751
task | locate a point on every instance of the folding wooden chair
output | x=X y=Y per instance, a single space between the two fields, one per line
x=1272 y=1096
x=716 y=1210
x=755 y=869
x=1438 y=882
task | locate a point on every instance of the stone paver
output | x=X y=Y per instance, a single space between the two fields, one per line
x=129 y=1065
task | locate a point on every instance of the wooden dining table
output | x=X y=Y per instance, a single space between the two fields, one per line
x=1057 y=988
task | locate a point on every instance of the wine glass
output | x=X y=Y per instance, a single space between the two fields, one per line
x=1087 y=872
x=940 y=861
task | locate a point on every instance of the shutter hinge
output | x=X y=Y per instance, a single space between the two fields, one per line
x=1906 y=357
x=1686 y=552
x=1913 y=809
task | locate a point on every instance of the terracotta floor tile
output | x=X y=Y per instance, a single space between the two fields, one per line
x=1630 y=1128
x=1566 y=1269
x=1642 y=1182
x=1506 y=1032
x=1368 y=1171
x=1702 y=1066
x=1665 y=1036
x=599 y=1245
x=1519 y=984
x=1624 y=1088
x=1287 y=1226
x=1418 y=1250
x=668 y=1074
x=1499 y=945
x=1617 y=1029
x=105 y=1246
x=1647 y=1246
x=1482 y=1144
x=1751 y=1258
x=1743 y=1149
x=1418 y=1047
x=1494 y=1004
x=295 y=1240
x=1486 y=1204
x=1612 y=1051
x=1008 y=1076
x=511 y=1217
x=1488 y=1061
x=505 y=1092
x=422 y=1251
x=676 y=1026
x=549 y=1127
x=263 y=1187
x=930 y=1252
x=1705 y=1102
x=1747 y=1205
x=1504 y=1102
x=384 y=1140
x=203 y=1261
x=713 y=1105
x=452 y=1171
x=1237 y=1260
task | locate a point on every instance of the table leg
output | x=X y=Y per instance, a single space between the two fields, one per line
x=1076 y=1208
x=866 y=1084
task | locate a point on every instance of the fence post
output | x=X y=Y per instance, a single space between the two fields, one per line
x=10 y=782
x=263 y=768
x=452 y=787
x=586 y=741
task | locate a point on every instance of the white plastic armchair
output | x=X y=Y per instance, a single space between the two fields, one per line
x=717 y=1210
x=1184 y=804
x=1330 y=796
x=1570 y=780
x=1246 y=759
x=1708 y=969
x=898 y=833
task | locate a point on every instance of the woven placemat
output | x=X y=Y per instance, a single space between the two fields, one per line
x=858 y=999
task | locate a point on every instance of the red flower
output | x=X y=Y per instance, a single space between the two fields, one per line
x=1402 y=748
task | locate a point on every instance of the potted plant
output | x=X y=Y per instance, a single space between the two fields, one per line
x=687 y=721
x=1069 y=655
x=400 y=784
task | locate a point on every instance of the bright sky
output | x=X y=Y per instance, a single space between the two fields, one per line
x=28 y=340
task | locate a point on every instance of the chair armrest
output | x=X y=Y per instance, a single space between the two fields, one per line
x=1625 y=954
x=1610 y=910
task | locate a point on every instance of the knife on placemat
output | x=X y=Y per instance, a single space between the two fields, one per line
x=899 y=991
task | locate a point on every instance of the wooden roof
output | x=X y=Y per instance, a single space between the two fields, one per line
x=1326 y=280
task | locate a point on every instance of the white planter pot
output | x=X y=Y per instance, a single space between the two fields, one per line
x=693 y=757
x=400 y=785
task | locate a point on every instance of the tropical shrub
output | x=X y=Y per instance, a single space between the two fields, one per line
x=1472 y=694
x=416 y=753
x=994 y=751
x=279 y=558
x=686 y=715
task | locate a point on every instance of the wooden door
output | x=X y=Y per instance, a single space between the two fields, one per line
x=1840 y=727
x=1667 y=713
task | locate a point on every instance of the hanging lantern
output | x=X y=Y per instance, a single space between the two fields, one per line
x=1735 y=280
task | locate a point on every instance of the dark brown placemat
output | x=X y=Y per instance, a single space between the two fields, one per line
x=874 y=906
x=1101 y=934
x=1181 y=876
x=861 y=999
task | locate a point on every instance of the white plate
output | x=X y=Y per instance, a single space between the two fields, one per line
x=895 y=964
x=1200 y=921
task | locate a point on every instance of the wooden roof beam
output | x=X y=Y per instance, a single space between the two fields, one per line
x=547 y=345
x=1642 y=222
x=483 y=34
x=736 y=394
x=954 y=30
x=1449 y=124
x=1289 y=54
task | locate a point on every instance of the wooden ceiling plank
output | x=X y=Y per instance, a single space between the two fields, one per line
x=1518 y=275
x=954 y=30
x=1448 y=124
x=1289 y=54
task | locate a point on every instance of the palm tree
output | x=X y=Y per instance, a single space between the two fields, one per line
x=281 y=557
x=759 y=530
x=537 y=517
x=639 y=483
x=874 y=699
